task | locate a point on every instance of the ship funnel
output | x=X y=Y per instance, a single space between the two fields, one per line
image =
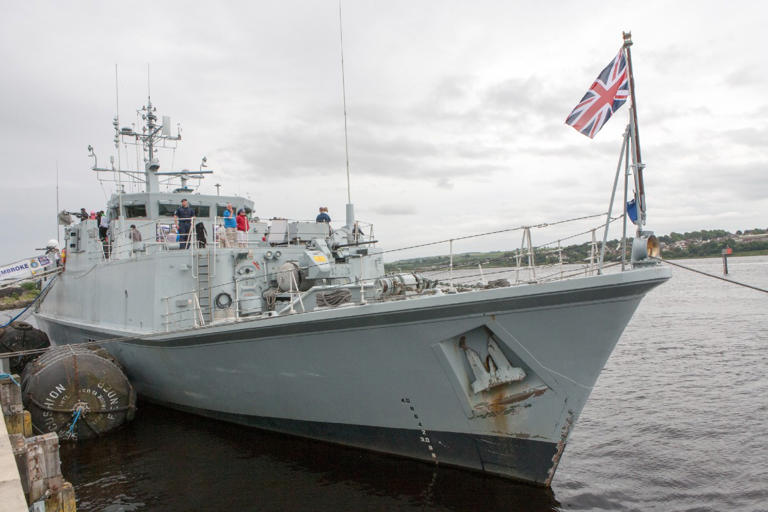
x=350 y=216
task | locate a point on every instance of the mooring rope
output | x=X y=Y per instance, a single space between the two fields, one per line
x=745 y=285
x=74 y=421
x=9 y=376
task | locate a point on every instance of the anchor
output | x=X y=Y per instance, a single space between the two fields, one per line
x=494 y=371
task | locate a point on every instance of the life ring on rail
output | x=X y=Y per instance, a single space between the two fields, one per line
x=223 y=300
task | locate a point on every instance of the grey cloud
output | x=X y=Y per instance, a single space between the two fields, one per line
x=669 y=59
x=511 y=94
x=436 y=106
x=729 y=182
x=659 y=113
x=532 y=96
x=415 y=149
x=756 y=138
x=745 y=76
x=586 y=150
x=715 y=184
x=452 y=89
x=394 y=209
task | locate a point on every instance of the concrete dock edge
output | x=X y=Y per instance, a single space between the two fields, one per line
x=11 y=493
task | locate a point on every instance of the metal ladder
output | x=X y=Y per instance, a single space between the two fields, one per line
x=204 y=285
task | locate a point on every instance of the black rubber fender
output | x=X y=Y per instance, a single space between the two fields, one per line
x=79 y=392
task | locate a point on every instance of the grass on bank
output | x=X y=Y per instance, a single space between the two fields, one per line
x=20 y=295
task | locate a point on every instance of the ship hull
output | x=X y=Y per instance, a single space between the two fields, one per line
x=395 y=377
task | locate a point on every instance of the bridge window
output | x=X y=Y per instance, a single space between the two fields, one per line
x=201 y=210
x=220 y=210
x=135 y=211
x=168 y=209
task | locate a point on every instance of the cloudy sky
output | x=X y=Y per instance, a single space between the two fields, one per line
x=456 y=110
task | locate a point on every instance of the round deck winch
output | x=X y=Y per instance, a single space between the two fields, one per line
x=78 y=392
x=291 y=278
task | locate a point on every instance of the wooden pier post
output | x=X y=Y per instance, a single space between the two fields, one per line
x=37 y=461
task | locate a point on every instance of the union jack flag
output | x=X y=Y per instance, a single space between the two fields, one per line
x=607 y=94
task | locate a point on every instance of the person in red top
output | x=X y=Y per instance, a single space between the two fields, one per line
x=242 y=228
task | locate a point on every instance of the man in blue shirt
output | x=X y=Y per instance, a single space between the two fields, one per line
x=323 y=216
x=230 y=226
x=183 y=218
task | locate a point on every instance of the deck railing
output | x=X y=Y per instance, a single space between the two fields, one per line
x=162 y=235
x=190 y=316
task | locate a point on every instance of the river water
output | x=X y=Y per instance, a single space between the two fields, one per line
x=677 y=421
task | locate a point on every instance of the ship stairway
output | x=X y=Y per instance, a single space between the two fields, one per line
x=204 y=285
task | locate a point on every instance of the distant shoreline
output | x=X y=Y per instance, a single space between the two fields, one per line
x=744 y=254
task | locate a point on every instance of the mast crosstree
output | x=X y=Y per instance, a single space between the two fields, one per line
x=154 y=136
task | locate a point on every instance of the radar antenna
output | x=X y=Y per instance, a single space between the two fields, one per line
x=154 y=136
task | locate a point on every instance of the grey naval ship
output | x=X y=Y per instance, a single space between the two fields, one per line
x=300 y=330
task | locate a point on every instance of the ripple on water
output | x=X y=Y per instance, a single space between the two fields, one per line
x=677 y=421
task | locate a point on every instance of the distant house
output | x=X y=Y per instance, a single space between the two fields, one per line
x=754 y=238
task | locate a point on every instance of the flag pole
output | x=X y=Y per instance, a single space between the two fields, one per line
x=636 y=157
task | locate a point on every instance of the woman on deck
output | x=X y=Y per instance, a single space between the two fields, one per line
x=242 y=228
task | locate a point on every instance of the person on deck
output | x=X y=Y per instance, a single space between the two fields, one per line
x=242 y=228
x=230 y=226
x=357 y=233
x=134 y=234
x=173 y=236
x=323 y=215
x=183 y=220
x=103 y=221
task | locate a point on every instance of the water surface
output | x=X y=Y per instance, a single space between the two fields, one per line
x=677 y=421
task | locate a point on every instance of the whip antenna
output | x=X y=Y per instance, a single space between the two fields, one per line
x=58 y=237
x=344 y=97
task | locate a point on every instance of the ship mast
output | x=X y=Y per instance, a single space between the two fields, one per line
x=153 y=137
x=637 y=161
x=150 y=131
